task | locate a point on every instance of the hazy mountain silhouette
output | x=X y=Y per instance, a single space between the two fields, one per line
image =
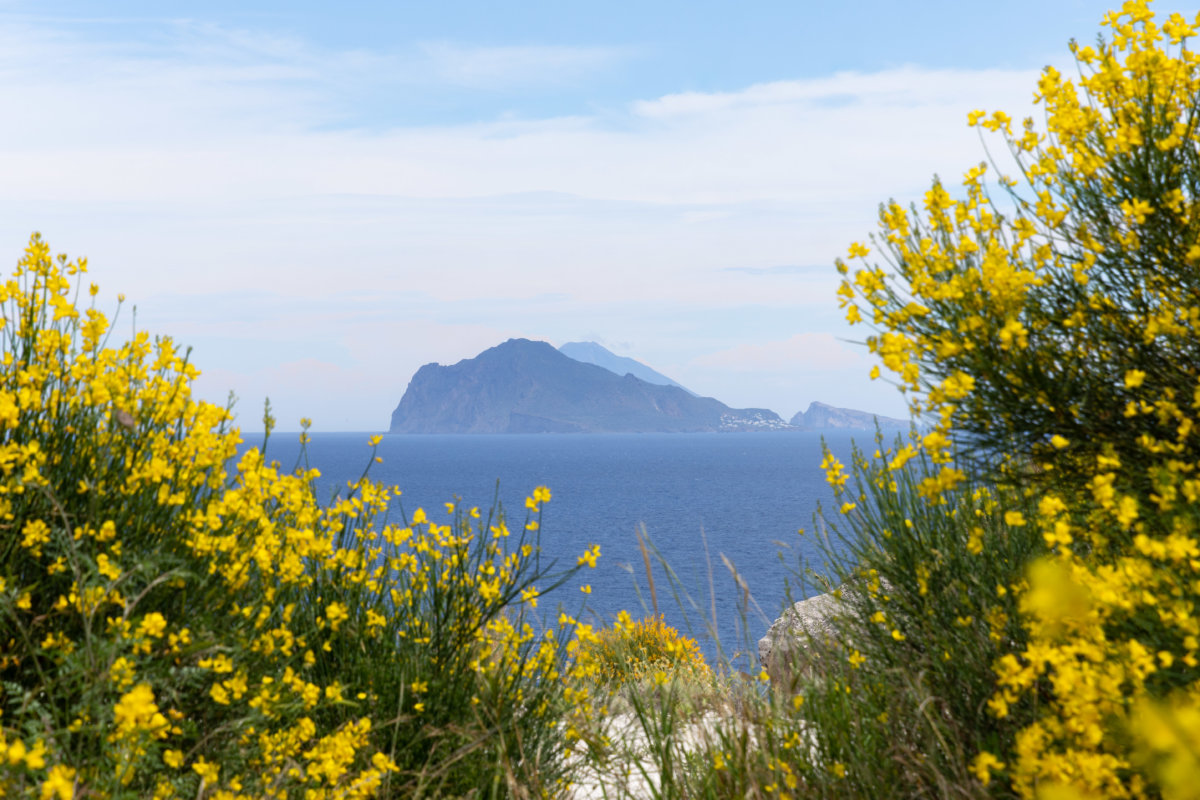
x=821 y=416
x=523 y=386
x=592 y=353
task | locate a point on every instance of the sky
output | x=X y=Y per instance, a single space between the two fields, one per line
x=320 y=198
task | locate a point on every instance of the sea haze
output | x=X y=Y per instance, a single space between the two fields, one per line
x=745 y=494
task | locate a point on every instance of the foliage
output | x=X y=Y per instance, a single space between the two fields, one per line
x=178 y=619
x=931 y=595
x=1057 y=349
x=631 y=651
x=895 y=704
x=1063 y=332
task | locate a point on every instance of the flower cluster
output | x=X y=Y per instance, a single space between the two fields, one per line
x=632 y=651
x=181 y=617
x=1056 y=349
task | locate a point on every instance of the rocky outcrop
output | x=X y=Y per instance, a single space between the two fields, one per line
x=820 y=417
x=781 y=652
x=782 y=649
x=524 y=386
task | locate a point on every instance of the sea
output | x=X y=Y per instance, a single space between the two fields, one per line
x=722 y=512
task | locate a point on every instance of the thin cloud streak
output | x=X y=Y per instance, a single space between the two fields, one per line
x=905 y=86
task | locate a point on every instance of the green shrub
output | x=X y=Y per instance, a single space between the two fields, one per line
x=631 y=652
x=1056 y=348
x=172 y=624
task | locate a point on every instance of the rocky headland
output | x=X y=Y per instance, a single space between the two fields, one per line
x=820 y=417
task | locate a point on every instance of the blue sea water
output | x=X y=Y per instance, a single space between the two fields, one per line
x=699 y=497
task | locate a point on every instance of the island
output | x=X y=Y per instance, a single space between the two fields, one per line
x=525 y=386
x=823 y=417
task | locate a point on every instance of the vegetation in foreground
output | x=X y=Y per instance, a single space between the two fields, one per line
x=171 y=625
x=1020 y=589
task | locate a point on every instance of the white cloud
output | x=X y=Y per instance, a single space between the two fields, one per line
x=226 y=115
x=211 y=161
x=906 y=86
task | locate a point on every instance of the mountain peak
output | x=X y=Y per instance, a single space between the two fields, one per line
x=601 y=356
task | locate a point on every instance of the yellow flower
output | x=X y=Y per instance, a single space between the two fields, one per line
x=60 y=783
x=1137 y=210
x=16 y=752
x=153 y=625
x=975 y=541
x=136 y=712
x=1127 y=511
x=590 y=556
x=36 y=533
x=336 y=613
x=106 y=568
x=122 y=672
x=983 y=766
x=208 y=772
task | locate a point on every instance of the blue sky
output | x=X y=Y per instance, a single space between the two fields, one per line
x=320 y=200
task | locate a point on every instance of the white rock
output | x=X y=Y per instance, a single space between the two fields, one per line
x=813 y=617
x=632 y=771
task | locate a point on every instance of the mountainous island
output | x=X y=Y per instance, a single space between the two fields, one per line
x=524 y=386
x=822 y=417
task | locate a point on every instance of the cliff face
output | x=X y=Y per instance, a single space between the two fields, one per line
x=820 y=416
x=523 y=386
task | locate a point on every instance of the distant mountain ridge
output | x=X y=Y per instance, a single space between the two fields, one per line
x=821 y=416
x=593 y=353
x=523 y=386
